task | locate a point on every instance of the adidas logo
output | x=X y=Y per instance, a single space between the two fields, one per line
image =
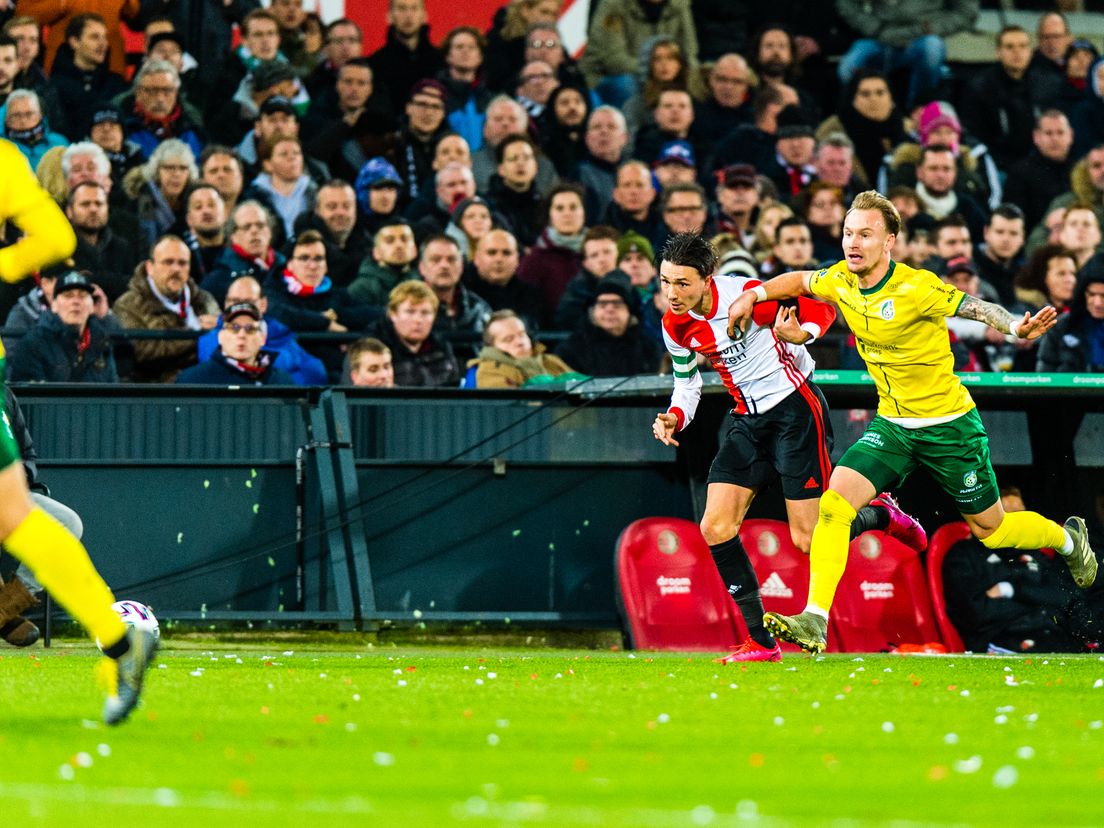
x=694 y=342
x=775 y=587
x=811 y=483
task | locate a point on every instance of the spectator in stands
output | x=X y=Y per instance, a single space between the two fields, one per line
x=765 y=234
x=618 y=30
x=505 y=117
x=155 y=112
x=452 y=184
x=1087 y=114
x=206 y=234
x=509 y=359
x=80 y=74
x=407 y=56
x=341 y=116
x=722 y=27
x=555 y=258
x=1035 y=181
x=304 y=298
x=661 y=66
x=869 y=117
x=1086 y=187
x=451 y=149
x=250 y=252
x=543 y=42
x=284 y=183
x=65 y=21
x=793 y=249
x=240 y=358
x=685 y=209
x=1080 y=233
x=291 y=16
x=459 y=309
x=834 y=161
x=276 y=116
x=496 y=265
x=421 y=357
x=25 y=314
x=1000 y=256
x=729 y=102
x=467 y=96
x=417 y=138
x=24 y=30
x=936 y=176
x=1079 y=59
x=754 y=143
x=1048 y=278
x=107 y=133
x=605 y=140
x=536 y=83
x=896 y=36
x=471 y=220
x=950 y=239
x=610 y=342
x=634 y=204
x=222 y=168
x=974 y=345
x=599 y=260
x=824 y=210
x=791 y=168
x=378 y=186
x=108 y=256
x=291 y=357
x=738 y=201
x=343 y=42
x=161 y=296
x=508 y=38
x=1004 y=99
x=168 y=46
x=1076 y=345
x=773 y=56
x=260 y=43
x=159 y=186
x=673 y=120
x=335 y=217
x=1014 y=600
x=1053 y=38
x=976 y=173
x=25 y=126
x=394 y=252
x=69 y=343
x=513 y=190
x=562 y=129
x=370 y=364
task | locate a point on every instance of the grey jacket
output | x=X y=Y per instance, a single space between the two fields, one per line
x=899 y=22
x=619 y=29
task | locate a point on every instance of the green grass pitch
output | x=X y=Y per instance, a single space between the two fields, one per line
x=240 y=735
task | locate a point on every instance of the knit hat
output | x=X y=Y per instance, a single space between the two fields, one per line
x=617 y=284
x=633 y=242
x=463 y=204
x=939 y=114
x=793 y=124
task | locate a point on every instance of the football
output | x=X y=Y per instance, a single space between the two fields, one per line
x=139 y=616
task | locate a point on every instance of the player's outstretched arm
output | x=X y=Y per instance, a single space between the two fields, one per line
x=1029 y=327
x=783 y=286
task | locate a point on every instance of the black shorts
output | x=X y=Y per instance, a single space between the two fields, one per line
x=793 y=440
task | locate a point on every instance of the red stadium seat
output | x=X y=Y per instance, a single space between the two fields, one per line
x=882 y=600
x=669 y=592
x=944 y=538
x=782 y=568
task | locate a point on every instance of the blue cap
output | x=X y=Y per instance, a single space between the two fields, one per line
x=676 y=152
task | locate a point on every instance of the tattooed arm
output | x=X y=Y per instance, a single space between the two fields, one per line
x=1029 y=327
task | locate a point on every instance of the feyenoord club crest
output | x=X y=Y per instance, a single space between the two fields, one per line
x=668 y=542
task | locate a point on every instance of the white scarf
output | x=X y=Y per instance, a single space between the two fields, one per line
x=938 y=207
x=181 y=307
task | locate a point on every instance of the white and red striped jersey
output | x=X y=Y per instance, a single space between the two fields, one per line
x=758 y=369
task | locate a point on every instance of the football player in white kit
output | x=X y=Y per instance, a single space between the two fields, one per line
x=779 y=423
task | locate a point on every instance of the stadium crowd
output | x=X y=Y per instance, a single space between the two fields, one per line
x=482 y=208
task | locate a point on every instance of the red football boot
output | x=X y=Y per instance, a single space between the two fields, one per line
x=750 y=651
x=902 y=526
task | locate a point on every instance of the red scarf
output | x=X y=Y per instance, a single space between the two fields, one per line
x=162 y=126
x=265 y=263
x=295 y=287
x=254 y=371
x=85 y=340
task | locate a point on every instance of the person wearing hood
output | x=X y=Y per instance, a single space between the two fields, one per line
x=1076 y=345
x=869 y=117
x=407 y=55
x=377 y=186
x=240 y=358
x=26 y=127
x=599 y=262
x=562 y=128
x=155 y=112
x=509 y=359
x=471 y=220
x=610 y=342
x=555 y=258
x=80 y=74
x=467 y=95
x=1080 y=56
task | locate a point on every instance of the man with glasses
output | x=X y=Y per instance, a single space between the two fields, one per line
x=241 y=358
x=344 y=42
x=249 y=253
x=685 y=209
x=154 y=112
x=729 y=101
x=417 y=140
x=535 y=85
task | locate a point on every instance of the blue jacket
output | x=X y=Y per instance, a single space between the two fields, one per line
x=33 y=154
x=215 y=370
x=303 y=368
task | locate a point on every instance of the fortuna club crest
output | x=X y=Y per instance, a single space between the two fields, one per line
x=886 y=310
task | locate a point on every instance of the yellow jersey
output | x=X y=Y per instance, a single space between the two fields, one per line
x=901 y=331
x=47 y=236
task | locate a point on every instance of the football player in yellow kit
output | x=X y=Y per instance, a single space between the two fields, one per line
x=925 y=417
x=56 y=558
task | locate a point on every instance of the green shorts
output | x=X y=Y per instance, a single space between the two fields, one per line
x=9 y=448
x=956 y=454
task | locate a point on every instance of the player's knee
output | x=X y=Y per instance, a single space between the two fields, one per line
x=718 y=530
x=835 y=509
x=802 y=539
x=991 y=537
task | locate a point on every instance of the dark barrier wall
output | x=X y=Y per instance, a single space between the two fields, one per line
x=458 y=504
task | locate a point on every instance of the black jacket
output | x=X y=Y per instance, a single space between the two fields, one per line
x=1067 y=349
x=81 y=93
x=111 y=262
x=590 y=350
x=48 y=353
x=1002 y=111
x=1034 y=182
x=523 y=211
x=22 y=436
x=342 y=262
x=433 y=366
x=398 y=68
x=521 y=297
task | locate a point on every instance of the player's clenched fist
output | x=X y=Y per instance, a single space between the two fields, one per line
x=664 y=429
x=739 y=314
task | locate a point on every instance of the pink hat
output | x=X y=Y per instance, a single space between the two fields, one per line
x=938 y=114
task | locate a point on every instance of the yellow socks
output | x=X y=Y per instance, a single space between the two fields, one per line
x=1026 y=530
x=828 y=551
x=63 y=567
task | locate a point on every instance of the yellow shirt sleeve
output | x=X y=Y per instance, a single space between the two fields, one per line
x=820 y=283
x=934 y=297
x=47 y=236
